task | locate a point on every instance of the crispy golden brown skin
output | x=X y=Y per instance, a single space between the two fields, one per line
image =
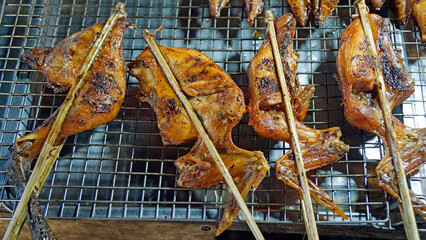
x=301 y=10
x=322 y=9
x=361 y=104
x=219 y=104
x=319 y=9
x=97 y=103
x=403 y=10
x=251 y=7
x=419 y=14
x=319 y=147
x=216 y=6
x=101 y=96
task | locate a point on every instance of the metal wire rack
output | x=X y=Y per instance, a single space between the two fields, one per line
x=122 y=171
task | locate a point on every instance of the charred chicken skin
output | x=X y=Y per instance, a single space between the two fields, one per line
x=97 y=103
x=252 y=8
x=319 y=147
x=219 y=104
x=361 y=104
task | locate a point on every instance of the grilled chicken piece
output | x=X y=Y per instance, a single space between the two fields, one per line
x=216 y=6
x=252 y=8
x=361 y=103
x=97 y=103
x=419 y=14
x=301 y=10
x=403 y=10
x=322 y=9
x=319 y=147
x=377 y=4
x=219 y=104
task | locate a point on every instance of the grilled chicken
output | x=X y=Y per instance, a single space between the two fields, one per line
x=301 y=10
x=419 y=14
x=252 y=8
x=403 y=10
x=361 y=104
x=319 y=9
x=319 y=147
x=322 y=9
x=377 y=4
x=219 y=104
x=97 y=103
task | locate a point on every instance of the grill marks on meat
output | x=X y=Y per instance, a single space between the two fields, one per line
x=319 y=147
x=252 y=8
x=219 y=104
x=97 y=103
x=361 y=104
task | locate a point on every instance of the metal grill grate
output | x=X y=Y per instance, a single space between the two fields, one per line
x=122 y=171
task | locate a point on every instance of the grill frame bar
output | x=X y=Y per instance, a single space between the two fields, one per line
x=126 y=156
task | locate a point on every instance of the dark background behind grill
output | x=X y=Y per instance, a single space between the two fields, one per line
x=122 y=171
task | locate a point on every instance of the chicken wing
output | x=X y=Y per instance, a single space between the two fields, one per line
x=216 y=6
x=377 y=4
x=319 y=147
x=419 y=14
x=252 y=8
x=97 y=103
x=301 y=10
x=322 y=9
x=361 y=104
x=403 y=10
x=219 y=104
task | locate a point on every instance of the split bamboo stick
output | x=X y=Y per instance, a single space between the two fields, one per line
x=149 y=38
x=405 y=205
x=50 y=152
x=307 y=208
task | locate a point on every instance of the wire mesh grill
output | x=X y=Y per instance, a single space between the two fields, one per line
x=121 y=170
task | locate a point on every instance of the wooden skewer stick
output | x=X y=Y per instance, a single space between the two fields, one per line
x=50 y=152
x=307 y=208
x=149 y=38
x=406 y=207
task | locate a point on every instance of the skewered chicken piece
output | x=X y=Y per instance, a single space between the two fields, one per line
x=361 y=103
x=419 y=14
x=252 y=8
x=219 y=104
x=319 y=147
x=97 y=103
x=319 y=9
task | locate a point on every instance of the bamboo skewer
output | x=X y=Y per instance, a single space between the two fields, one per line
x=406 y=207
x=307 y=208
x=149 y=38
x=50 y=152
